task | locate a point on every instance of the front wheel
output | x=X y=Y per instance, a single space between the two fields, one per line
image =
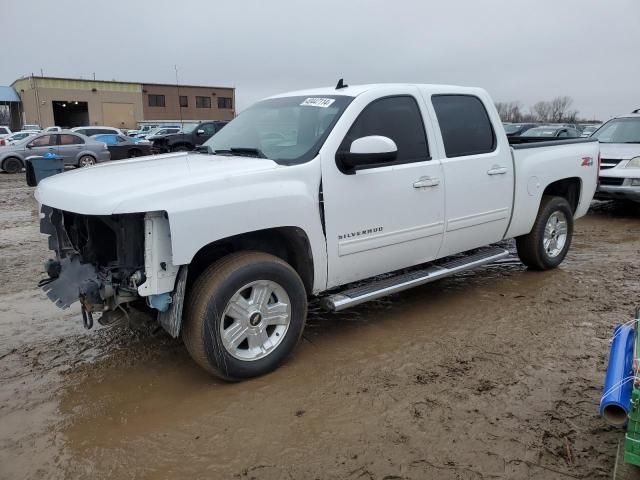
x=550 y=238
x=181 y=148
x=12 y=165
x=244 y=315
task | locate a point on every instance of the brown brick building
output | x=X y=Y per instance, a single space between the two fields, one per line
x=171 y=102
x=72 y=102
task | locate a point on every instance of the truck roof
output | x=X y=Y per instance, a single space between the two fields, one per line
x=355 y=90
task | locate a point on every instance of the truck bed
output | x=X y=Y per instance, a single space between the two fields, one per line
x=534 y=142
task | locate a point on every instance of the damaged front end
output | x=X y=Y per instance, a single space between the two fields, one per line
x=118 y=266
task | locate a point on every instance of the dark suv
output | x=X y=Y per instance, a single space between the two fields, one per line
x=189 y=140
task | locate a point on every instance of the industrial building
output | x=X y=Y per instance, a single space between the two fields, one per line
x=71 y=102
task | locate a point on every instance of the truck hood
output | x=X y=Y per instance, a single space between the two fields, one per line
x=621 y=151
x=143 y=184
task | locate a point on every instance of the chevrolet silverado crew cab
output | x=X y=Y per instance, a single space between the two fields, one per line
x=620 y=158
x=308 y=194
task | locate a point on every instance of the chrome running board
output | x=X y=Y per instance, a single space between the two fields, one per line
x=434 y=271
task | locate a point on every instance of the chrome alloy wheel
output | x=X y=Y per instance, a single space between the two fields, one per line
x=255 y=320
x=87 y=161
x=555 y=234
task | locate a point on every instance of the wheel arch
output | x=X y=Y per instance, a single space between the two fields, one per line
x=291 y=244
x=9 y=157
x=567 y=188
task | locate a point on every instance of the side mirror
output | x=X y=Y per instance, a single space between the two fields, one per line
x=200 y=132
x=367 y=151
x=29 y=146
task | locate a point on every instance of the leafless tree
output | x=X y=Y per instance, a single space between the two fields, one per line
x=559 y=108
x=509 y=111
x=541 y=111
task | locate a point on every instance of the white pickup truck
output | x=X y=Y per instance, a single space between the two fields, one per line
x=310 y=193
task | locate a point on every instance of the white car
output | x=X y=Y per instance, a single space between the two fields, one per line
x=4 y=132
x=53 y=129
x=620 y=158
x=32 y=127
x=90 y=131
x=17 y=136
x=302 y=195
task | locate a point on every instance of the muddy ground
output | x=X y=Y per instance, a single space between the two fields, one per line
x=493 y=374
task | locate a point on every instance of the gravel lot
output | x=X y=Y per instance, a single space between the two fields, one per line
x=493 y=374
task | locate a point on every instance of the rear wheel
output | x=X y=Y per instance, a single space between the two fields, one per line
x=181 y=148
x=12 y=165
x=244 y=315
x=550 y=238
x=86 y=161
x=134 y=153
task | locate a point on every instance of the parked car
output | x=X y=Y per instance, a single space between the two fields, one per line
x=5 y=132
x=98 y=130
x=551 y=131
x=302 y=195
x=189 y=139
x=143 y=129
x=74 y=148
x=32 y=127
x=515 y=129
x=53 y=129
x=159 y=132
x=121 y=146
x=588 y=130
x=620 y=158
x=17 y=136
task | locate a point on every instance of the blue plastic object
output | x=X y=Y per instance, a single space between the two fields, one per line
x=618 y=382
x=160 y=302
x=39 y=168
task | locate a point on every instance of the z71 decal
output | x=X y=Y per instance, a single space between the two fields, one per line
x=587 y=161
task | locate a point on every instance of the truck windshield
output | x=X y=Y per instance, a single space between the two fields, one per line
x=288 y=130
x=619 y=130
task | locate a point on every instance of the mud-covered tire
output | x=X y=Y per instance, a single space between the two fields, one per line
x=211 y=294
x=12 y=165
x=531 y=247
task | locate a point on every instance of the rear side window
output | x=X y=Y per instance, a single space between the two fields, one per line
x=68 y=139
x=397 y=118
x=4 y=131
x=465 y=125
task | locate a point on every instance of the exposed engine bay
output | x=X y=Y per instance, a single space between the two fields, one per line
x=103 y=262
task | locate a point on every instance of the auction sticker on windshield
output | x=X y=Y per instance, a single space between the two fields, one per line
x=318 y=102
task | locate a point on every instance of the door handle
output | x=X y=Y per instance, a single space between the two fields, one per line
x=497 y=170
x=426 y=182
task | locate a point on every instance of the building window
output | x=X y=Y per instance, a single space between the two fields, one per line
x=184 y=101
x=225 y=102
x=203 y=102
x=156 y=100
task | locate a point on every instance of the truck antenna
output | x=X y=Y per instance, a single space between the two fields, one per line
x=341 y=84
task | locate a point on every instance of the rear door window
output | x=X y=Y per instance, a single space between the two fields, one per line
x=397 y=118
x=465 y=125
x=68 y=139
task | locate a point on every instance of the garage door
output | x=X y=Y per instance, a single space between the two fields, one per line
x=119 y=115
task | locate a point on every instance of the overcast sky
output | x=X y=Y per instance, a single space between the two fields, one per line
x=527 y=51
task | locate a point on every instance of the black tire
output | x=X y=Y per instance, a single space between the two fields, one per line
x=181 y=148
x=531 y=249
x=12 y=165
x=208 y=298
x=134 y=152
